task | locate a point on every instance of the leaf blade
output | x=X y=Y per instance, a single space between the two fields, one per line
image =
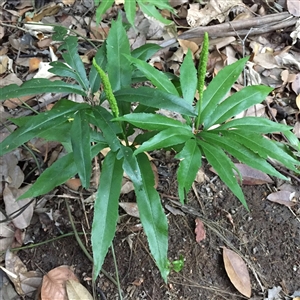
x=151 y=212
x=117 y=47
x=106 y=209
x=236 y=103
x=155 y=98
x=151 y=121
x=219 y=87
x=81 y=145
x=158 y=78
x=224 y=167
x=188 y=78
x=188 y=167
x=166 y=138
x=44 y=86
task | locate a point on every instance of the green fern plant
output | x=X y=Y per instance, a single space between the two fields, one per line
x=85 y=129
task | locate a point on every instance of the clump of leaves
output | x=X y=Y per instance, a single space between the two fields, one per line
x=209 y=130
x=148 y=7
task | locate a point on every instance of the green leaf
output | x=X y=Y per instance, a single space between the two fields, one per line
x=59 y=133
x=188 y=78
x=237 y=103
x=161 y=4
x=145 y=51
x=35 y=125
x=262 y=146
x=189 y=165
x=37 y=86
x=106 y=209
x=102 y=8
x=166 y=138
x=219 y=87
x=157 y=78
x=152 y=216
x=63 y=70
x=81 y=145
x=60 y=171
x=109 y=129
x=94 y=77
x=151 y=11
x=155 y=98
x=224 y=167
x=254 y=124
x=151 y=121
x=73 y=59
x=240 y=152
x=60 y=33
x=117 y=47
x=130 y=11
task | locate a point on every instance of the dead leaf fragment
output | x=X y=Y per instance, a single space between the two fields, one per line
x=199 y=230
x=251 y=176
x=237 y=272
x=76 y=291
x=283 y=197
x=54 y=283
x=293 y=7
x=131 y=208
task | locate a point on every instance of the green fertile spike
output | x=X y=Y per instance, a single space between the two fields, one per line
x=202 y=73
x=107 y=89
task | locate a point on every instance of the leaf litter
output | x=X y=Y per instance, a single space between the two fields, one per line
x=273 y=63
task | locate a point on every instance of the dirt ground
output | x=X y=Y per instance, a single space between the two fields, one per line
x=267 y=238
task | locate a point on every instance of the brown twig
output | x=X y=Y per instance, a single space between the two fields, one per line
x=259 y=25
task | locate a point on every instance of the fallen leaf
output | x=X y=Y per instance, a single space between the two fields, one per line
x=251 y=176
x=34 y=63
x=12 y=205
x=293 y=7
x=199 y=230
x=131 y=208
x=283 y=197
x=76 y=291
x=54 y=283
x=237 y=272
x=25 y=282
x=296 y=84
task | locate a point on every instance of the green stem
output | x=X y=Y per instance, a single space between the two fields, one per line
x=201 y=76
x=117 y=271
x=83 y=248
x=42 y=243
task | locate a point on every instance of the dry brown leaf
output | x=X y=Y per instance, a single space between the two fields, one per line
x=185 y=44
x=252 y=176
x=54 y=283
x=131 y=208
x=213 y=10
x=34 y=63
x=199 y=230
x=6 y=234
x=298 y=101
x=76 y=291
x=296 y=84
x=293 y=7
x=73 y=183
x=25 y=282
x=48 y=10
x=12 y=205
x=237 y=272
x=283 y=197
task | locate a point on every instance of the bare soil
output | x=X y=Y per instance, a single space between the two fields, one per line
x=267 y=238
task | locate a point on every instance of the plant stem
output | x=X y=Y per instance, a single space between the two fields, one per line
x=83 y=248
x=42 y=243
x=117 y=271
x=201 y=76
